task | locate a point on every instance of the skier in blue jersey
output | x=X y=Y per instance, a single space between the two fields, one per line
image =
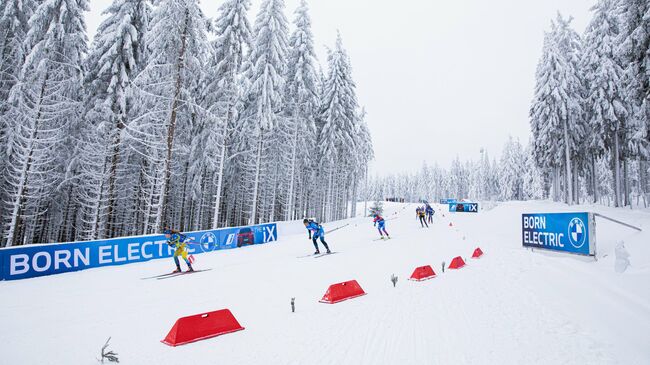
x=316 y=231
x=430 y=213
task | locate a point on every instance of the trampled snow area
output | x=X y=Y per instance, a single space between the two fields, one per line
x=512 y=306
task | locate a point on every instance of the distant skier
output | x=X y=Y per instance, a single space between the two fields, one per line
x=178 y=241
x=430 y=212
x=316 y=231
x=422 y=216
x=380 y=223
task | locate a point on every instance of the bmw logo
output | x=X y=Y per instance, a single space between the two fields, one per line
x=208 y=242
x=577 y=232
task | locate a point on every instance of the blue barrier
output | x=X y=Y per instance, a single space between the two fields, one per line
x=24 y=262
x=567 y=232
x=463 y=207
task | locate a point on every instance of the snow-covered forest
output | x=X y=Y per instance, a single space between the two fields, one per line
x=171 y=117
x=590 y=122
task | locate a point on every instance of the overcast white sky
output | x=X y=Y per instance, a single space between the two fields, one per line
x=438 y=78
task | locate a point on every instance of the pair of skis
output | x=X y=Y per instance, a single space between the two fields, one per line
x=174 y=274
x=317 y=255
x=382 y=238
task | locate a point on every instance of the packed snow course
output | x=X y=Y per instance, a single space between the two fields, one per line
x=512 y=306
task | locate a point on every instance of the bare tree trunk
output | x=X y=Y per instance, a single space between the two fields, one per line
x=274 y=193
x=594 y=178
x=626 y=182
x=365 y=203
x=354 y=197
x=20 y=199
x=115 y=160
x=576 y=184
x=258 y=166
x=161 y=220
x=568 y=189
x=150 y=203
x=292 y=177
x=95 y=230
x=643 y=181
x=184 y=197
x=617 y=172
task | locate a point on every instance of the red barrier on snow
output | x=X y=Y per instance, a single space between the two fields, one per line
x=457 y=263
x=477 y=253
x=423 y=273
x=342 y=291
x=201 y=326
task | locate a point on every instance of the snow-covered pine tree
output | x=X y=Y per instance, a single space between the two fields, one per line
x=486 y=191
x=634 y=52
x=512 y=171
x=177 y=47
x=339 y=134
x=603 y=73
x=533 y=180
x=557 y=106
x=117 y=54
x=222 y=93
x=377 y=207
x=458 y=179
x=14 y=17
x=43 y=115
x=301 y=105
x=264 y=103
x=570 y=44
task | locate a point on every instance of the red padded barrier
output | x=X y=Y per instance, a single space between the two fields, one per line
x=477 y=253
x=457 y=263
x=423 y=273
x=201 y=326
x=342 y=291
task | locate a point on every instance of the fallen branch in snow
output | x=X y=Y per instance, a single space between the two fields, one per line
x=393 y=278
x=110 y=355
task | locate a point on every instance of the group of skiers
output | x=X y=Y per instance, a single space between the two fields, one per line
x=425 y=214
x=179 y=241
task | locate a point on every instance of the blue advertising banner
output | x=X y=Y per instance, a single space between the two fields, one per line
x=24 y=262
x=447 y=201
x=568 y=232
x=463 y=207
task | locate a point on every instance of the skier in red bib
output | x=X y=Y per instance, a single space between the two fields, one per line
x=380 y=223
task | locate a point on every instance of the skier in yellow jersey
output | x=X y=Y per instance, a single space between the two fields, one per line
x=178 y=240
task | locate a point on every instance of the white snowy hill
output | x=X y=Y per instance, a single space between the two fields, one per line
x=512 y=306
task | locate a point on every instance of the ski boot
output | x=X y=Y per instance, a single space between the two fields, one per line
x=317 y=252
